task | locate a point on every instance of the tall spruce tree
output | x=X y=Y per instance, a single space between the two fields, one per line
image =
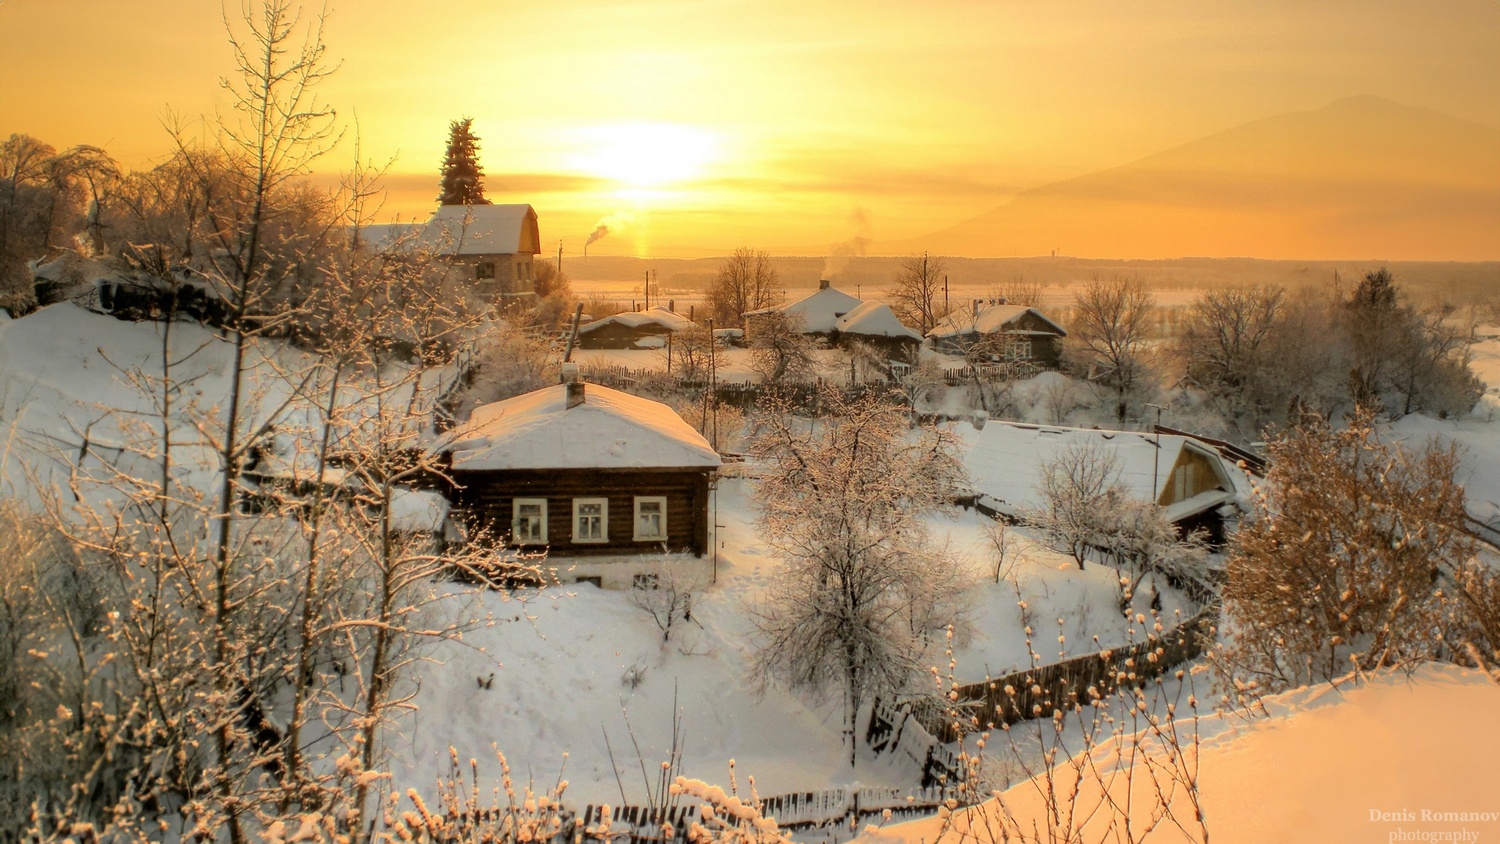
x=463 y=179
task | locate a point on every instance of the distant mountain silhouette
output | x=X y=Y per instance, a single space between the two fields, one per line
x=1361 y=178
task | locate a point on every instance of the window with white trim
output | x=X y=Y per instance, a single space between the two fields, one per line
x=590 y=519
x=528 y=523
x=650 y=518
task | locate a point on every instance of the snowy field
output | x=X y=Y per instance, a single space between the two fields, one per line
x=583 y=669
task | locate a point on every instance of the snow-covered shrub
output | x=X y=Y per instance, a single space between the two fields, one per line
x=727 y=818
x=665 y=592
x=1346 y=559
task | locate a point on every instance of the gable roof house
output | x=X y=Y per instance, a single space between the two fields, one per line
x=875 y=324
x=490 y=247
x=1012 y=332
x=646 y=329
x=596 y=476
x=817 y=313
x=1190 y=480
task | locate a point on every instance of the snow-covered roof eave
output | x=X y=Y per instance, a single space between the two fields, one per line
x=609 y=430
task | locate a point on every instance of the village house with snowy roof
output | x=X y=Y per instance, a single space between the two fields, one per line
x=647 y=329
x=1188 y=477
x=597 y=477
x=875 y=324
x=490 y=247
x=815 y=314
x=1014 y=333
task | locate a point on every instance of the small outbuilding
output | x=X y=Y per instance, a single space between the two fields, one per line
x=875 y=324
x=1003 y=332
x=646 y=329
x=587 y=473
x=1189 y=479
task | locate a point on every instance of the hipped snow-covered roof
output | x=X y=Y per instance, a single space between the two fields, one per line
x=481 y=230
x=609 y=430
x=1006 y=461
x=875 y=319
x=668 y=320
x=991 y=319
x=817 y=312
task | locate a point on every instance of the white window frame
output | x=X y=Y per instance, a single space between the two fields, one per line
x=515 y=522
x=578 y=504
x=636 y=521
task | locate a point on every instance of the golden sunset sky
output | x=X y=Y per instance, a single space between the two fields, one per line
x=695 y=126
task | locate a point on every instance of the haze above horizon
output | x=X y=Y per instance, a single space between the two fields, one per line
x=696 y=127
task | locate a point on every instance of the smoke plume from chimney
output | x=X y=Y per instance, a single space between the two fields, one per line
x=616 y=222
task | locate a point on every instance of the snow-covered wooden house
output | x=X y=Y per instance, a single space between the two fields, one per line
x=875 y=324
x=646 y=329
x=816 y=314
x=1188 y=478
x=586 y=472
x=1008 y=332
x=490 y=247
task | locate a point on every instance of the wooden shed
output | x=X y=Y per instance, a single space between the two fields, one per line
x=646 y=329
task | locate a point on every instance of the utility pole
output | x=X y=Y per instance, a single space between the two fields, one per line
x=1156 y=458
x=946 y=309
x=713 y=381
x=559 y=256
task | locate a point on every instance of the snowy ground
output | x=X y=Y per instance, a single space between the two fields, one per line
x=1362 y=762
x=567 y=653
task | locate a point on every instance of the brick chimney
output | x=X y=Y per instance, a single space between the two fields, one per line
x=575 y=395
x=822 y=284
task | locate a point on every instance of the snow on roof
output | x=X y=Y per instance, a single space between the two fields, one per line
x=609 y=430
x=819 y=311
x=992 y=319
x=1007 y=458
x=875 y=319
x=481 y=230
x=660 y=316
x=418 y=511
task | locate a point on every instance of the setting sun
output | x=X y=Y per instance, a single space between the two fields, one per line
x=644 y=156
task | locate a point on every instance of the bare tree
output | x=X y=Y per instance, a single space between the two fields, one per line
x=917 y=291
x=1020 y=291
x=860 y=594
x=746 y=281
x=1111 y=319
x=779 y=352
x=690 y=350
x=1079 y=491
x=1224 y=343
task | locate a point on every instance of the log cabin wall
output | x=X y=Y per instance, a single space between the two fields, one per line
x=617 y=336
x=486 y=498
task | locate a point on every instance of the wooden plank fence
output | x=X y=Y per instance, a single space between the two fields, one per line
x=1036 y=692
